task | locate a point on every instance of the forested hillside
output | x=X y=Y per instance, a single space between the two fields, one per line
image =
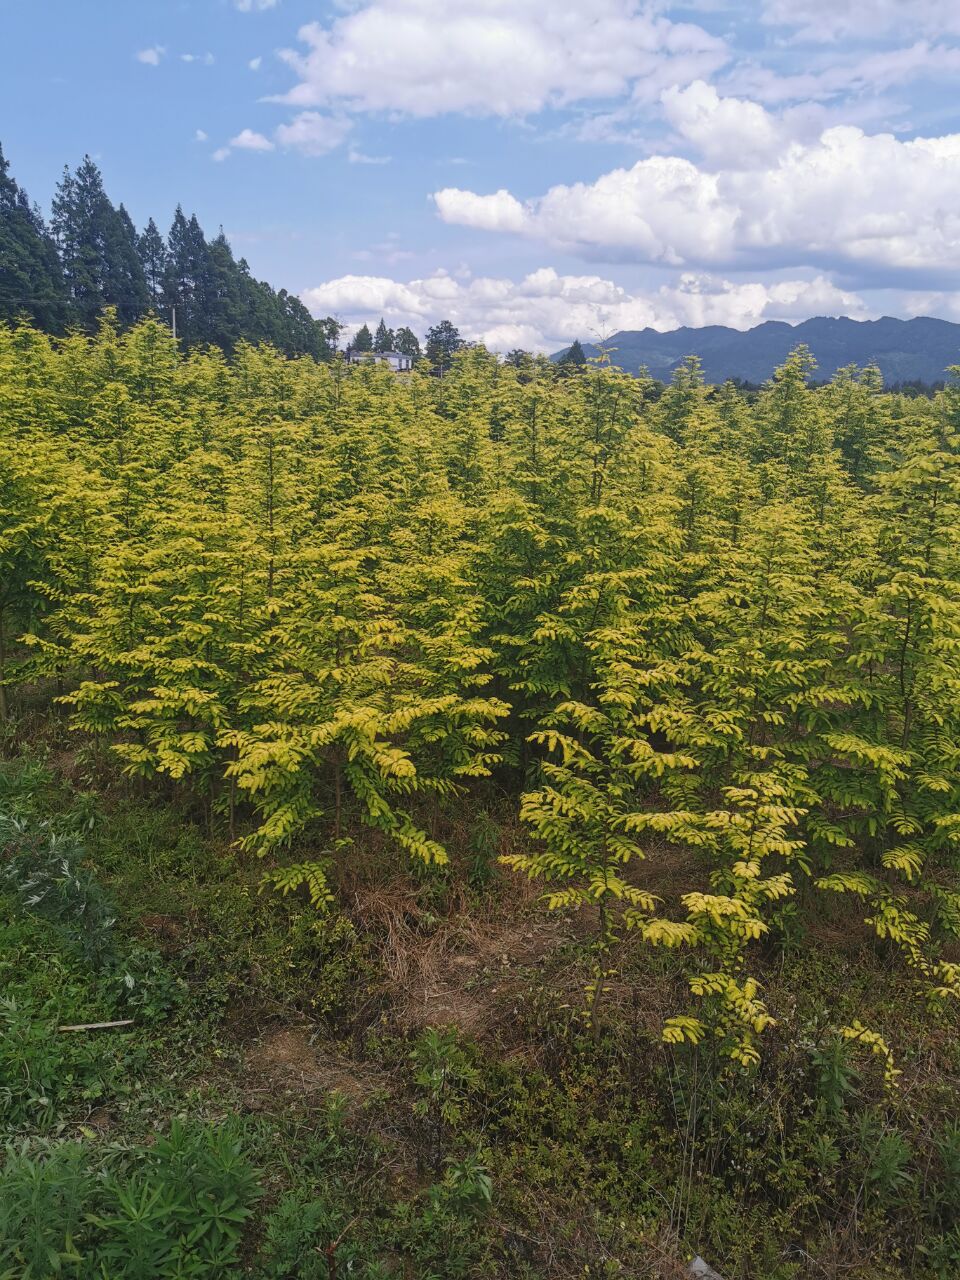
x=565 y=775
x=92 y=257
x=905 y=351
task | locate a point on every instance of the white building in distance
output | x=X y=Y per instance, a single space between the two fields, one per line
x=394 y=360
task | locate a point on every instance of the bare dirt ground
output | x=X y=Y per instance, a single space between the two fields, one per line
x=289 y=1058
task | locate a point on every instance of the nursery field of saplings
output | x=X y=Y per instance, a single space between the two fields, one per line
x=513 y=818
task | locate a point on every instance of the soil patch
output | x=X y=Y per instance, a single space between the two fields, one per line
x=287 y=1059
x=466 y=988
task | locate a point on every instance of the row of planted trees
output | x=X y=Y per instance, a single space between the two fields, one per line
x=319 y=597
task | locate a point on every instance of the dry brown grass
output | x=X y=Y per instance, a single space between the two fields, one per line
x=443 y=971
x=288 y=1059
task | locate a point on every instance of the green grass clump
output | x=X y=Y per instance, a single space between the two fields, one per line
x=173 y=1209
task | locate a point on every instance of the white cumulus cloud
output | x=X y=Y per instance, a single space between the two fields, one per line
x=152 y=55
x=498 y=212
x=546 y=310
x=944 y=305
x=493 y=57
x=312 y=133
x=729 y=132
x=250 y=140
x=309 y=132
x=848 y=198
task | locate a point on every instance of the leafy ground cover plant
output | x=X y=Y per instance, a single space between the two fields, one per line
x=176 y=1208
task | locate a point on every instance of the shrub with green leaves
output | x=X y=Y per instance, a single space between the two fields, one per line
x=62 y=962
x=43 y=872
x=44 y=1200
x=45 y=1073
x=176 y=1209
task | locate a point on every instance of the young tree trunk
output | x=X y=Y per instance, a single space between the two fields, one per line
x=232 y=810
x=4 y=709
x=338 y=798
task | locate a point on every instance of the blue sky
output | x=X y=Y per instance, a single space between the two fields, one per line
x=535 y=172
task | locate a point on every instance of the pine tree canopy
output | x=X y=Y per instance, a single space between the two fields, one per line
x=574 y=356
x=31 y=277
x=93 y=259
x=442 y=344
x=407 y=343
x=384 y=339
x=363 y=340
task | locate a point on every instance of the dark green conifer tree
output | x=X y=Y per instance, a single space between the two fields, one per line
x=384 y=339
x=152 y=251
x=98 y=249
x=572 y=359
x=407 y=343
x=126 y=284
x=443 y=342
x=187 y=282
x=31 y=280
x=364 y=340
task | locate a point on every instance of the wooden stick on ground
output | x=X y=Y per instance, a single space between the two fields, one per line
x=96 y=1026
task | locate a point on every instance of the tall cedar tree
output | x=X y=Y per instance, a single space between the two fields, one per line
x=98 y=250
x=31 y=279
x=443 y=343
x=384 y=339
x=152 y=250
x=407 y=343
x=573 y=358
x=362 y=340
x=96 y=260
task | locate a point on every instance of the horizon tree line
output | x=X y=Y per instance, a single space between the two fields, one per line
x=90 y=257
x=65 y=273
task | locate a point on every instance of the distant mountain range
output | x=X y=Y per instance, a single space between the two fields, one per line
x=905 y=350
